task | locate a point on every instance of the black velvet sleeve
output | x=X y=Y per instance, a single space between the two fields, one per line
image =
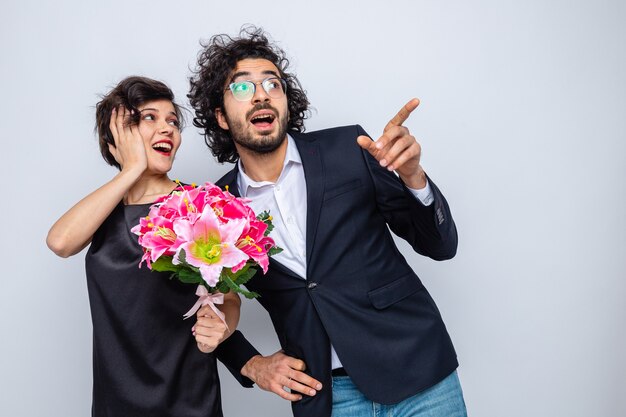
x=234 y=352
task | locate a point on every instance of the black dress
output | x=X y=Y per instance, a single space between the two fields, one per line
x=145 y=359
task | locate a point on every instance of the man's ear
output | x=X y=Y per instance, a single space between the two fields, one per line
x=221 y=120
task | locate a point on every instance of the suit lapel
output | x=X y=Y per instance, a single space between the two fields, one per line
x=308 y=148
x=230 y=180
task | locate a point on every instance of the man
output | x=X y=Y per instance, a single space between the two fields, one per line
x=341 y=297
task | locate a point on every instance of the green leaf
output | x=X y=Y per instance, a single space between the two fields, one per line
x=265 y=217
x=182 y=256
x=164 y=264
x=244 y=275
x=223 y=287
x=236 y=288
x=189 y=276
x=182 y=263
x=274 y=250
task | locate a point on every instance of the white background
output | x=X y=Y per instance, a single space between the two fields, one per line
x=522 y=124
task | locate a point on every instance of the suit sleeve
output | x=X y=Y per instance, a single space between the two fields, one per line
x=430 y=230
x=234 y=352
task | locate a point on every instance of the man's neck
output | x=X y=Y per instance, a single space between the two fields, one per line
x=263 y=167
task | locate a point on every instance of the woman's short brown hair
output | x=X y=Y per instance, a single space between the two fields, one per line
x=131 y=93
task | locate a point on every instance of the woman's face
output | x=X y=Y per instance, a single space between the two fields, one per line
x=160 y=129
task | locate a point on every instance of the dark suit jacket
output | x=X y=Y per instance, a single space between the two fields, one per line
x=360 y=293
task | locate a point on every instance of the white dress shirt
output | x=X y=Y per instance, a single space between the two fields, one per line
x=286 y=201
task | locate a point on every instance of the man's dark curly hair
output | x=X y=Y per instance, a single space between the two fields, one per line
x=216 y=62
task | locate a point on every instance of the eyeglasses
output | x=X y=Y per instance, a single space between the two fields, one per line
x=244 y=90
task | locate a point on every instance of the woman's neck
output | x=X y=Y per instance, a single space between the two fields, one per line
x=149 y=188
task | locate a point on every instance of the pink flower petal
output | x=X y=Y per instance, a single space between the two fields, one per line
x=211 y=274
x=231 y=256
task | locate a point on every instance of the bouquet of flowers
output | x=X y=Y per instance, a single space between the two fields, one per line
x=209 y=237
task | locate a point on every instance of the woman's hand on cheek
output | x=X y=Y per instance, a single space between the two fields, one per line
x=129 y=150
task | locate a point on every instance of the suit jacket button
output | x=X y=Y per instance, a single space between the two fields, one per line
x=311 y=285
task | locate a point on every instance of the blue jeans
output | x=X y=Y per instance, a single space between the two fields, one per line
x=445 y=399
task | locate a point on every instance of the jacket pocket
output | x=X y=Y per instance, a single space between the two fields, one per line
x=340 y=189
x=395 y=291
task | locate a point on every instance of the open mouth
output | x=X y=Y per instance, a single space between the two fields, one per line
x=263 y=121
x=163 y=147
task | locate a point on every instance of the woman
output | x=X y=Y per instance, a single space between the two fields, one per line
x=145 y=359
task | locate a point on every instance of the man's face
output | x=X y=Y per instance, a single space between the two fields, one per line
x=258 y=124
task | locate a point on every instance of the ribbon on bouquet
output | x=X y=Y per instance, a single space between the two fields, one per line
x=206 y=298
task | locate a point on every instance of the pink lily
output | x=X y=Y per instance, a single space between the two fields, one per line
x=156 y=236
x=208 y=244
x=255 y=244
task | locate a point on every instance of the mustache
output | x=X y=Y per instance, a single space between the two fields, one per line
x=261 y=106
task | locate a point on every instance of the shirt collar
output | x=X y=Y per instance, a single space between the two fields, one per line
x=292 y=156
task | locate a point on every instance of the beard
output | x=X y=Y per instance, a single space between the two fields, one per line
x=262 y=143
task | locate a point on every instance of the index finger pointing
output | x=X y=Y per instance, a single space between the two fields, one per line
x=403 y=114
